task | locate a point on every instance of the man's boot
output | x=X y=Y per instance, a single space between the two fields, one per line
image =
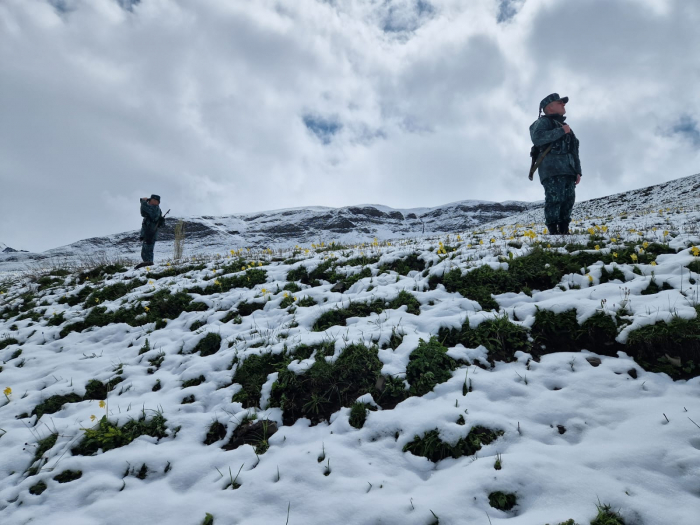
x=564 y=228
x=553 y=229
x=141 y=265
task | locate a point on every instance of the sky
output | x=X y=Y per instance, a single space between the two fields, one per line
x=234 y=106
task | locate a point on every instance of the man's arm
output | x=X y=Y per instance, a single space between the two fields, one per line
x=151 y=212
x=541 y=135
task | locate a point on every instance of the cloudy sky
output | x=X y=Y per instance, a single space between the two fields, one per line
x=226 y=106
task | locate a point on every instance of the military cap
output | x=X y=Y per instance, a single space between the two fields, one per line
x=552 y=98
x=155 y=197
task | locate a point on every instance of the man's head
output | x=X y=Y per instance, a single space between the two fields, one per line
x=554 y=104
x=154 y=200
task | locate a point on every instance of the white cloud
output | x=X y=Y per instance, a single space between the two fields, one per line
x=227 y=106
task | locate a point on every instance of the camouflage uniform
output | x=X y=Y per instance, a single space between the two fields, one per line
x=559 y=168
x=152 y=219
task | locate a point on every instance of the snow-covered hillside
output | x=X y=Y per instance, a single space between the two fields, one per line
x=486 y=376
x=348 y=225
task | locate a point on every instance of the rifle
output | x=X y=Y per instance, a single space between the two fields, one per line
x=534 y=152
x=162 y=218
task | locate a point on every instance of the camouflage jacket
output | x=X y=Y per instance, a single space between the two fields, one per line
x=563 y=158
x=152 y=219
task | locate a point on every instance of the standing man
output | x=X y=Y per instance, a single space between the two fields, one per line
x=152 y=220
x=560 y=168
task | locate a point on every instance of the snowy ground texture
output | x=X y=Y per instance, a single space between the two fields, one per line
x=329 y=402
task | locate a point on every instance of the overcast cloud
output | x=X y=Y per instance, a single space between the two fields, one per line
x=227 y=106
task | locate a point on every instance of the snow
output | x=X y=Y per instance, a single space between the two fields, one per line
x=618 y=447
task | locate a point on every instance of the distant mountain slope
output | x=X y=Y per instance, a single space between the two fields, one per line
x=678 y=192
x=353 y=224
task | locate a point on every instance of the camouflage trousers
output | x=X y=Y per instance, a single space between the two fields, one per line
x=147 y=251
x=559 y=197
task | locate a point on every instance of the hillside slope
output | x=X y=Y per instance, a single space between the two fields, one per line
x=490 y=375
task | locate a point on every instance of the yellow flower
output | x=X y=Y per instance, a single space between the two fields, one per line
x=481 y=241
x=7 y=391
x=645 y=244
x=233 y=252
x=146 y=308
x=102 y=404
x=243 y=268
x=286 y=294
x=217 y=283
x=493 y=240
x=93 y=417
x=614 y=255
x=97 y=299
x=148 y=268
x=260 y=264
x=614 y=239
x=653 y=263
x=264 y=291
x=695 y=250
x=634 y=256
x=590 y=277
x=597 y=247
x=545 y=231
x=665 y=233
x=150 y=281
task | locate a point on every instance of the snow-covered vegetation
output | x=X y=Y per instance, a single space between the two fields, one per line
x=477 y=377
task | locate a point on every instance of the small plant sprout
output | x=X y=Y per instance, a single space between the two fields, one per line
x=323 y=453
x=437 y=520
x=234 y=484
x=498 y=464
x=327 y=470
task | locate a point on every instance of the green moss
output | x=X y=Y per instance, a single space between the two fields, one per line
x=208 y=519
x=208 y=345
x=405 y=265
x=68 y=475
x=326 y=387
x=499 y=336
x=556 y=332
x=406 y=299
x=245 y=308
x=338 y=316
x=252 y=373
x=113 y=292
x=292 y=287
x=37 y=488
x=502 y=500
x=75 y=299
x=193 y=382
x=358 y=415
x=432 y=447
x=249 y=279
x=428 y=365
x=42 y=447
x=161 y=305
x=306 y=302
x=98 y=390
x=216 y=432
x=173 y=271
x=650 y=345
x=607 y=516
x=56 y=319
x=47 y=282
x=108 y=436
x=53 y=404
x=7 y=341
